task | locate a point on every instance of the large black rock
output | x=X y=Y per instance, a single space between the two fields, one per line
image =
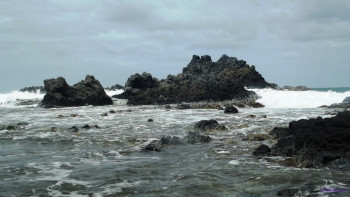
x=314 y=142
x=86 y=92
x=201 y=80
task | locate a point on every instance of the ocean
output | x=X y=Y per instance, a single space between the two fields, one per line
x=107 y=160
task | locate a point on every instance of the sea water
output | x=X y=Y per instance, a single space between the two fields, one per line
x=108 y=161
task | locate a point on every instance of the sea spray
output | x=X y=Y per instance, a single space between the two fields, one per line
x=298 y=99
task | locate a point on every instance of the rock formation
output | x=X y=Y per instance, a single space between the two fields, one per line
x=86 y=92
x=201 y=80
x=313 y=142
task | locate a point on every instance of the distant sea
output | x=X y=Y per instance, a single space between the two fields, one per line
x=338 y=89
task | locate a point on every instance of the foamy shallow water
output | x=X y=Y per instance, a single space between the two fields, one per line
x=108 y=161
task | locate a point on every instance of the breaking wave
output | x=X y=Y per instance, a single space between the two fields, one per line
x=298 y=99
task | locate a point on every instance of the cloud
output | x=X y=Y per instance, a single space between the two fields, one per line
x=73 y=38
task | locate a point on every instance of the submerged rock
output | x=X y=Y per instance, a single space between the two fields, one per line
x=208 y=125
x=194 y=137
x=86 y=92
x=231 y=110
x=201 y=80
x=158 y=145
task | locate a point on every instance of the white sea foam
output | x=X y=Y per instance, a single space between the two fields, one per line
x=298 y=99
x=9 y=99
x=113 y=92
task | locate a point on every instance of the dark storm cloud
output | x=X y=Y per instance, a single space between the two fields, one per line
x=113 y=39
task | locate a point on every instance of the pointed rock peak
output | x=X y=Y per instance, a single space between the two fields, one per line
x=225 y=58
x=206 y=58
x=89 y=78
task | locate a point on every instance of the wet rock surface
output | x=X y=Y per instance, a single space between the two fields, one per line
x=314 y=142
x=201 y=80
x=86 y=92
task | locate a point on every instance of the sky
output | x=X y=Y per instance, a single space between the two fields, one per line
x=290 y=42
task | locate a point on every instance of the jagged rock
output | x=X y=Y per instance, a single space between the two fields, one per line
x=297 y=88
x=231 y=110
x=86 y=92
x=201 y=80
x=208 y=125
x=316 y=141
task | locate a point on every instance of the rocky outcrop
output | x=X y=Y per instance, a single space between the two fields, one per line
x=201 y=80
x=314 y=142
x=34 y=89
x=115 y=87
x=297 y=88
x=86 y=92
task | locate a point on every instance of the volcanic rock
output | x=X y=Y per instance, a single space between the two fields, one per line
x=315 y=142
x=86 y=92
x=201 y=80
x=208 y=125
x=231 y=110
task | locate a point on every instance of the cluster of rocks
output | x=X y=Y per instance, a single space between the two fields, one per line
x=34 y=89
x=86 y=92
x=198 y=135
x=311 y=143
x=115 y=87
x=297 y=88
x=13 y=127
x=201 y=80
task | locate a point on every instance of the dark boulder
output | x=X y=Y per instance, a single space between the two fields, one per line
x=201 y=80
x=86 y=92
x=315 y=141
x=143 y=81
x=262 y=150
x=208 y=125
x=231 y=110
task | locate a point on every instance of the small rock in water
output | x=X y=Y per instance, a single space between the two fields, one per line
x=207 y=125
x=231 y=110
x=54 y=129
x=86 y=126
x=73 y=129
x=11 y=127
x=251 y=116
x=196 y=137
x=104 y=114
x=111 y=111
x=60 y=116
x=150 y=120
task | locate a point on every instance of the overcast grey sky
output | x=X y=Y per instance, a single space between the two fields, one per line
x=289 y=42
